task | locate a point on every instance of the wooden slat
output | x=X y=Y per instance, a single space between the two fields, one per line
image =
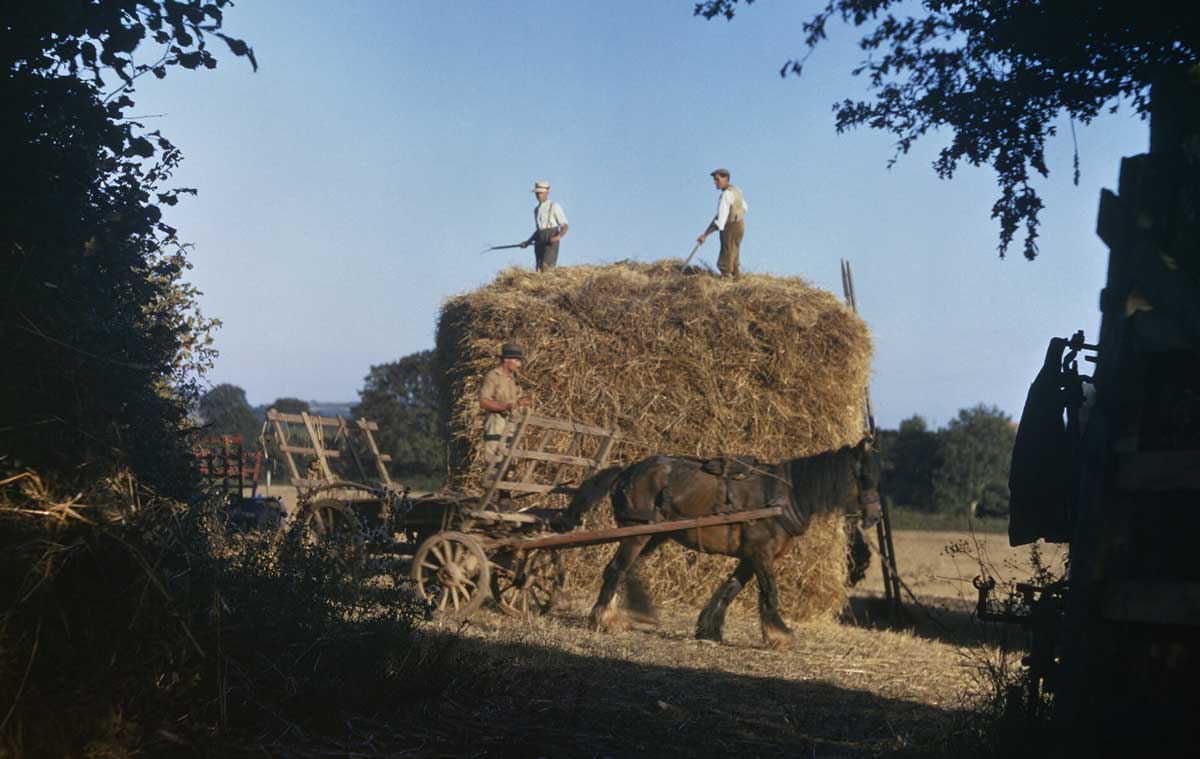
x=532 y=487
x=281 y=440
x=605 y=450
x=556 y=458
x=345 y=432
x=1162 y=602
x=1158 y=471
x=504 y=465
x=380 y=458
x=325 y=421
x=316 y=441
x=564 y=426
x=308 y=451
x=611 y=535
x=572 y=449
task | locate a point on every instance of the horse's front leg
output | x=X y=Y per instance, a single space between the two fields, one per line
x=639 y=604
x=775 y=631
x=712 y=619
x=606 y=615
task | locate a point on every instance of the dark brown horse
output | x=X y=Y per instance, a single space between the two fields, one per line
x=665 y=488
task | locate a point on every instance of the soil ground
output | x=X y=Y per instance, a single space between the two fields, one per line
x=862 y=686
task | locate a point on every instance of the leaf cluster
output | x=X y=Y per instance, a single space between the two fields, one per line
x=103 y=336
x=998 y=75
x=961 y=467
x=401 y=397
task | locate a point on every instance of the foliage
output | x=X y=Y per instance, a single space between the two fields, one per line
x=226 y=411
x=961 y=468
x=134 y=626
x=103 y=337
x=912 y=455
x=996 y=75
x=976 y=450
x=402 y=398
x=290 y=406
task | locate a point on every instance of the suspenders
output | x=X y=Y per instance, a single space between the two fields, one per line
x=549 y=215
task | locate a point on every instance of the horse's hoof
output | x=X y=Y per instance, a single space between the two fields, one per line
x=777 y=639
x=608 y=620
x=643 y=619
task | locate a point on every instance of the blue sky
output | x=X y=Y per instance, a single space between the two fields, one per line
x=347 y=188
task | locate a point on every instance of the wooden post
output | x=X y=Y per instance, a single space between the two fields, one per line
x=883 y=528
x=317 y=447
x=281 y=439
x=345 y=431
x=380 y=459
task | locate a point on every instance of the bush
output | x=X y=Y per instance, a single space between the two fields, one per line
x=103 y=338
x=132 y=624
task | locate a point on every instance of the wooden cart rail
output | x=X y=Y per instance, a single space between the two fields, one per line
x=612 y=535
x=313 y=427
x=532 y=435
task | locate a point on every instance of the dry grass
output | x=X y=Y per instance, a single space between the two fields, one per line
x=684 y=364
x=840 y=691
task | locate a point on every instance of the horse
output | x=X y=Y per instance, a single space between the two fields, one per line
x=665 y=488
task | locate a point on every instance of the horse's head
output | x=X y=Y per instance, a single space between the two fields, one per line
x=866 y=474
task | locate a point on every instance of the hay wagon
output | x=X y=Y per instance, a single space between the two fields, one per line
x=458 y=548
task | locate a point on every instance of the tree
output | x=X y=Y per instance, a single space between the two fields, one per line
x=995 y=75
x=227 y=412
x=103 y=339
x=914 y=454
x=976 y=449
x=290 y=406
x=402 y=399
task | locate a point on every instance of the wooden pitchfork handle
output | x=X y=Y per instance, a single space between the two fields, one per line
x=689 y=258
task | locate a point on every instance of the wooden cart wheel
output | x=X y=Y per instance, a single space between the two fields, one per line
x=334 y=526
x=451 y=570
x=528 y=583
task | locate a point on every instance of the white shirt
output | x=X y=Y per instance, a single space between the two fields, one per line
x=723 y=206
x=549 y=215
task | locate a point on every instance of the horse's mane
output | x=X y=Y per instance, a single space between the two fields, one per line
x=823 y=482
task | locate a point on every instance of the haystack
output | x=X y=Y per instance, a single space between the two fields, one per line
x=683 y=364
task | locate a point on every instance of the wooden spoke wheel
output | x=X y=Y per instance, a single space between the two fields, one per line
x=528 y=583
x=334 y=526
x=452 y=571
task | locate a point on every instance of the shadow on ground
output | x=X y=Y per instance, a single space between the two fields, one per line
x=523 y=700
x=947 y=620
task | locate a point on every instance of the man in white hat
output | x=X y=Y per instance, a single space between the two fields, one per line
x=551 y=226
x=730 y=221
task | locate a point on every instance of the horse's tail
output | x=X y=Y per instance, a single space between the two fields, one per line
x=591 y=491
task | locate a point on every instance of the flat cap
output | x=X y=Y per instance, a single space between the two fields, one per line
x=720 y=173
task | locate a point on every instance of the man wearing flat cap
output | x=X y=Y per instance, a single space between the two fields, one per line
x=499 y=396
x=730 y=221
x=550 y=225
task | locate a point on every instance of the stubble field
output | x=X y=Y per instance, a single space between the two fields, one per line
x=860 y=686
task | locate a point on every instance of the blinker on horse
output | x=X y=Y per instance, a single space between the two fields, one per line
x=665 y=488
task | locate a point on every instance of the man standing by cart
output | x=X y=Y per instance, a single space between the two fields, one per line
x=499 y=396
x=730 y=221
x=550 y=226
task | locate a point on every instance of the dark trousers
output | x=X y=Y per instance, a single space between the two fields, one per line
x=729 y=263
x=544 y=251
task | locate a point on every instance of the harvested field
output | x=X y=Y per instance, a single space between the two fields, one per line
x=843 y=690
x=840 y=692
x=681 y=364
